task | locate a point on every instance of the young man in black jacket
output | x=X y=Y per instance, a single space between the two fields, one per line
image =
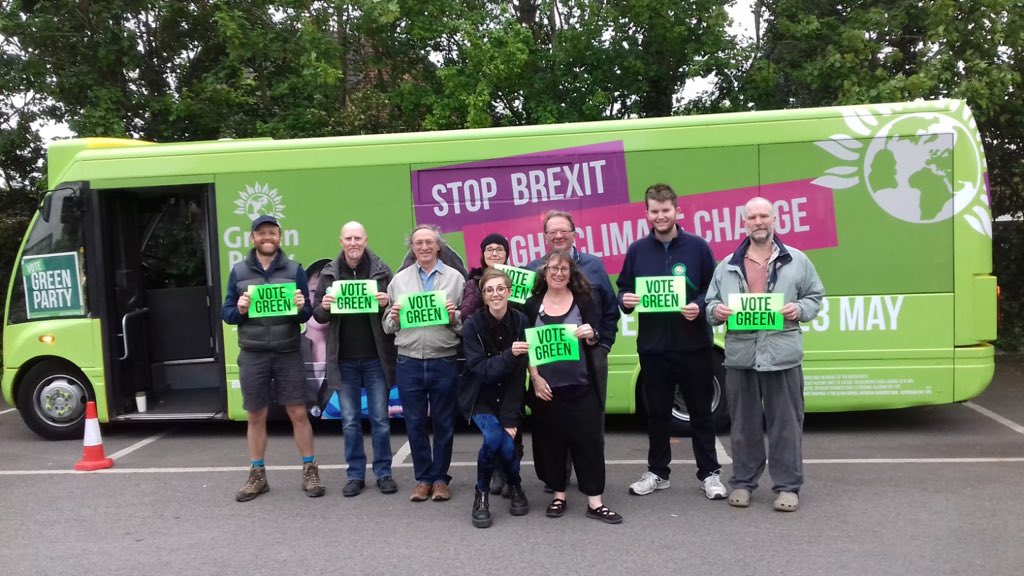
x=674 y=347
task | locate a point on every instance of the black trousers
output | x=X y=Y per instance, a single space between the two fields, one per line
x=692 y=373
x=570 y=423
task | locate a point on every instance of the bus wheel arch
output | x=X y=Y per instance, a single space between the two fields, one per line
x=51 y=396
x=719 y=403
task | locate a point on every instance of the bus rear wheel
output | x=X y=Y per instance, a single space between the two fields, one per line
x=719 y=404
x=51 y=400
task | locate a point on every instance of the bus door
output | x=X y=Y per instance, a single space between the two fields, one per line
x=162 y=313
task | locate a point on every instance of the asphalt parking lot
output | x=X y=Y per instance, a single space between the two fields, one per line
x=924 y=491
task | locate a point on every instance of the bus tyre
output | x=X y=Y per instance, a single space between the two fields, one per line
x=51 y=400
x=719 y=403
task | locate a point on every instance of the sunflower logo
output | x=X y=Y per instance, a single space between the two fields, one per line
x=907 y=163
x=258 y=200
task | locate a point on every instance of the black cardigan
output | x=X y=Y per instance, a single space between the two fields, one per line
x=485 y=362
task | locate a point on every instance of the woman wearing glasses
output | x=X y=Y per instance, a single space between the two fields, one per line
x=567 y=411
x=491 y=391
x=493 y=250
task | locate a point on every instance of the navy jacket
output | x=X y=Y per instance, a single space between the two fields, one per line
x=667 y=332
x=603 y=293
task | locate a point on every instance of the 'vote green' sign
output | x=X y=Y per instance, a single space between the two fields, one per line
x=661 y=293
x=553 y=343
x=272 y=300
x=354 y=296
x=423 y=309
x=755 y=311
x=522 y=282
x=53 y=287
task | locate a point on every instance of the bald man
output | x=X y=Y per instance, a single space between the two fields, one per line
x=360 y=355
x=764 y=377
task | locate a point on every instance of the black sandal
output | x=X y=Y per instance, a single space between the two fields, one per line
x=556 y=508
x=603 y=514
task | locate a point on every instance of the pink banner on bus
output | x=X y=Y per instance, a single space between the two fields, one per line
x=804 y=218
x=515 y=186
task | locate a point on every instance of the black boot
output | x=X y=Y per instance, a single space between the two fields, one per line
x=497 y=481
x=518 y=504
x=481 y=510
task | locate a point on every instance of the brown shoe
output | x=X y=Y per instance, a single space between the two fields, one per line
x=420 y=492
x=254 y=486
x=441 y=492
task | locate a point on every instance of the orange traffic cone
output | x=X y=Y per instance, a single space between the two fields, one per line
x=93 y=457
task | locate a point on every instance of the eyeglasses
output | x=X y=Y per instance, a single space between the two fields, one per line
x=563 y=270
x=499 y=290
x=557 y=233
x=495 y=250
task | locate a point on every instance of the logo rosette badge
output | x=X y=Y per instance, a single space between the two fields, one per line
x=259 y=200
x=907 y=164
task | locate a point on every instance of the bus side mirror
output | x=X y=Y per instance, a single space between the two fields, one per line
x=45 y=206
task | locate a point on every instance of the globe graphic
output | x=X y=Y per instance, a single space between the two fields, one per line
x=908 y=168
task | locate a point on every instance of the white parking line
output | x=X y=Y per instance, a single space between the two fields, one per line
x=400 y=456
x=141 y=444
x=2 y=412
x=1004 y=421
x=212 y=469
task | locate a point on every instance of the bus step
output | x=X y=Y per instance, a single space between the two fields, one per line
x=152 y=417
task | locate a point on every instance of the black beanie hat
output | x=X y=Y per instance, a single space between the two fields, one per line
x=494 y=238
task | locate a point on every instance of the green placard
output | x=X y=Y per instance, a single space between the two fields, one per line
x=755 y=311
x=522 y=282
x=53 y=287
x=423 y=309
x=553 y=343
x=661 y=293
x=272 y=300
x=354 y=297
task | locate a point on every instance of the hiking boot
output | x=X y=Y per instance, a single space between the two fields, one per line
x=254 y=486
x=713 y=487
x=386 y=485
x=311 y=480
x=353 y=488
x=481 y=510
x=786 y=502
x=648 y=483
x=740 y=498
x=518 y=505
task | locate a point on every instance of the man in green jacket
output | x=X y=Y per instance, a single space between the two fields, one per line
x=764 y=377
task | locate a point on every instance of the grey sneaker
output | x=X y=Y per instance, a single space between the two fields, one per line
x=311 y=480
x=713 y=487
x=648 y=483
x=787 y=502
x=254 y=486
x=740 y=498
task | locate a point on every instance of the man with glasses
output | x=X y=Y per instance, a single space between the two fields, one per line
x=560 y=234
x=427 y=371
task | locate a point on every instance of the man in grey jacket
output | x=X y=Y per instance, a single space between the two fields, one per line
x=427 y=371
x=360 y=355
x=764 y=377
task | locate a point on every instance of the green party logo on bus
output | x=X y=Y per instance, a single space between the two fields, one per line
x=911 y=177
x=252 y=202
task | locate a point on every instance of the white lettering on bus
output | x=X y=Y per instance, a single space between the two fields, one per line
x=881 y=313
x=539 y=185
x=471 y=195
x=726 y=224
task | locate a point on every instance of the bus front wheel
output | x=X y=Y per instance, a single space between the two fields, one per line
x=719 y=404
x=51 y=400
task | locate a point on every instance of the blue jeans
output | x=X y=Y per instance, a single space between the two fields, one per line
x=431 y=382
x=356 y=375
x=496 y=442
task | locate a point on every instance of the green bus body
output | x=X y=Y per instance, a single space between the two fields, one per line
x=890 y=202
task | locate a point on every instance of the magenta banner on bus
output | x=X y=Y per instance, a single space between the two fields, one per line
x=458 y=195
x=804 y=219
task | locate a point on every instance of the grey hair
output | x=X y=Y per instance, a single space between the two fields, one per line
x=435 y=229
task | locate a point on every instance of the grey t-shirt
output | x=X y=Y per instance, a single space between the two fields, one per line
x=566 y=373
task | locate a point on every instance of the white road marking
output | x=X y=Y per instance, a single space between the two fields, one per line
x=723 y=456
x=141 y=444
x=2 y=412
x=400 y=456
x=1002 y=420
x=213 y=469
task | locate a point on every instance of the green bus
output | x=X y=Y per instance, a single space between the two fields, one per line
x=118 y=285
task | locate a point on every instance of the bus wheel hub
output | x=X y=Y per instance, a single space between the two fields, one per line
x=61 y=400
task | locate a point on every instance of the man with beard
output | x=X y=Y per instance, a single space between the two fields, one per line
x=269 y=350
x=764 y=377
x=675 y=346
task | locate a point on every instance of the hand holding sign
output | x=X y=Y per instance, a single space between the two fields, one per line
x=243 y=303
x=520 y=348
x=790 y=311
x=553 y=343
x=691 y=311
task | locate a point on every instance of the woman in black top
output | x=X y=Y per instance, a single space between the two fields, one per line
x=491 y=391
x=567 y=410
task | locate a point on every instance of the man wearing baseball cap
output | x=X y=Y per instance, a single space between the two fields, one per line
x=269 y=350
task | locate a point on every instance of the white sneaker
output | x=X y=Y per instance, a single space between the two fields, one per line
x=648 y=483
x=713 y=487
